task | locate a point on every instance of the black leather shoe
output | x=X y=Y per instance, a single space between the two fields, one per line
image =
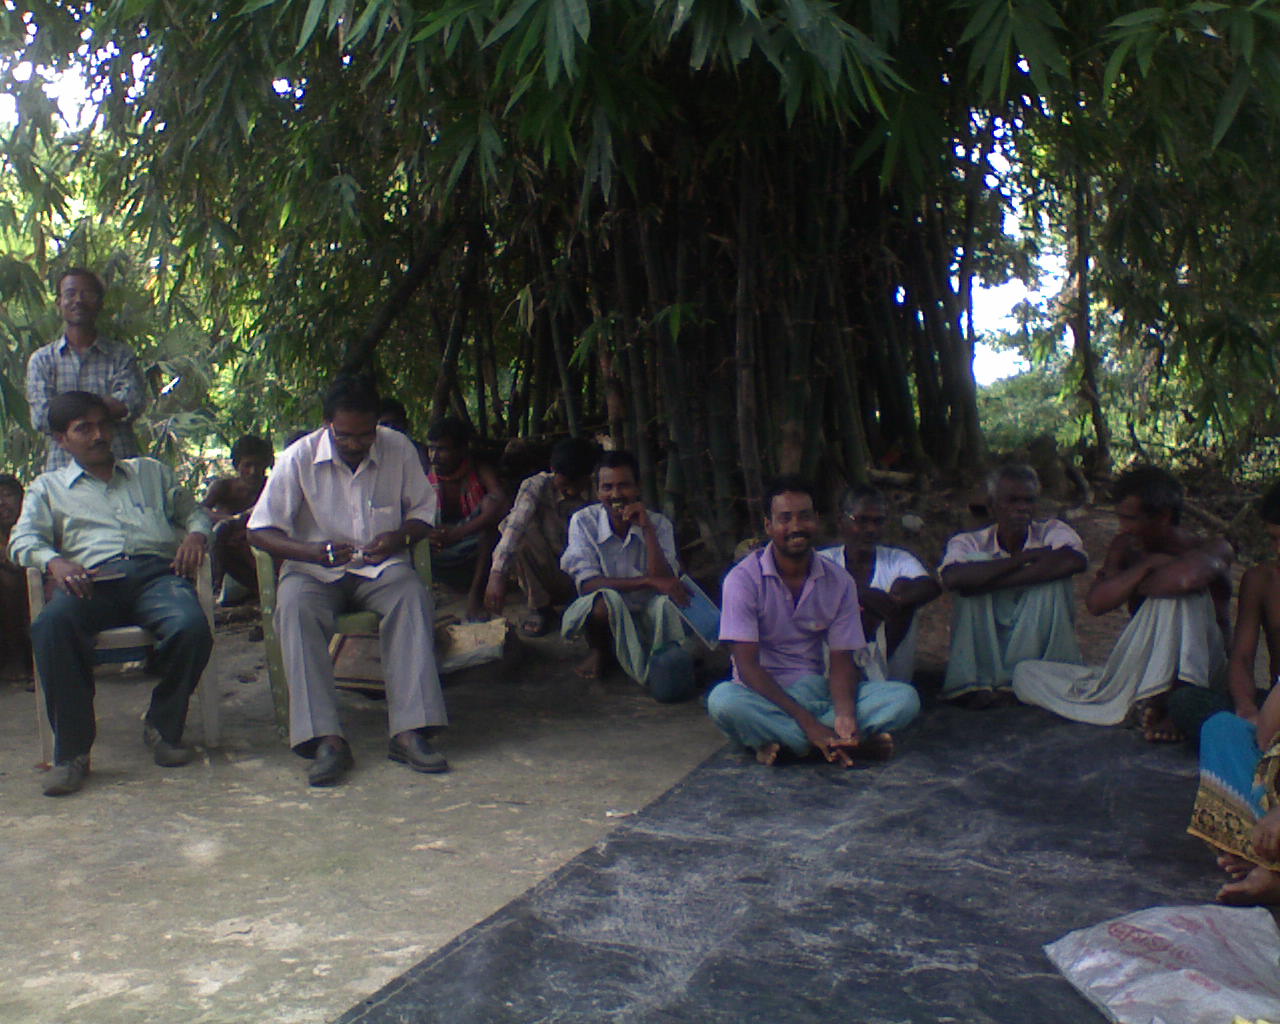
x=413 y=749
x=166 y=754
x=67 y=777
x=333 y=761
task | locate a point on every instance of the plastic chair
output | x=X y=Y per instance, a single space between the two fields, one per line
x=108 y=647
x=361 y=623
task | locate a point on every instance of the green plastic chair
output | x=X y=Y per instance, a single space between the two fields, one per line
x=363 y=623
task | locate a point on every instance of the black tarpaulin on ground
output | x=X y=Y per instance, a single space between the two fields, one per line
x=917 y=891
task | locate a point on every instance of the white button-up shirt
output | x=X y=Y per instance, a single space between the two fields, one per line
x=595 y=550
x=984 y=545
x=313 y=496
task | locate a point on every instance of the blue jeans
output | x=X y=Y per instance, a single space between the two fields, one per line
x=751 y=720
x=62 y=636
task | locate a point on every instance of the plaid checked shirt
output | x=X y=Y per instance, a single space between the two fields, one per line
x=108 y=368
x=538 y=499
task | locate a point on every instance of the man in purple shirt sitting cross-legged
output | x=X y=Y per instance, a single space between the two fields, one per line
x=781 y=606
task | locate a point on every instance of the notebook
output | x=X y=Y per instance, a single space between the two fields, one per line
x=701 y=615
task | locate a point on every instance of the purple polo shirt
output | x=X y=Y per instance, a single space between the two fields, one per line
x=758 y=608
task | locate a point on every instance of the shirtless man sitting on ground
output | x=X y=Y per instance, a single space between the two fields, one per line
x=1175 y=585
x=230 y=500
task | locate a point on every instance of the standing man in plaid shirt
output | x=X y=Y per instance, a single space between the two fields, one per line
x=82 y=361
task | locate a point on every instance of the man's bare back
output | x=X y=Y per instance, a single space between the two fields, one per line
x=231 y=496
x=1257 y=616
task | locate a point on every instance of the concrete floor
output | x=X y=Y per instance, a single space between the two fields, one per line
x=230 y=891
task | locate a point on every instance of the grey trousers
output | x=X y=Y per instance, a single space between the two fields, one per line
x=306 y=609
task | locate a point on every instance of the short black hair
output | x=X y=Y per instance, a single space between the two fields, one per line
x=352 y=394
x=9 y=482
x=451 y=428
x=250 y=445
x=856 y=494
x=69 y=406
x=1015 y=472
x=618 y=460
x=784 y=484
x=1156 y=489
x=1269 y=505
x=79 y=272
x=574 y=457
x=394 y=408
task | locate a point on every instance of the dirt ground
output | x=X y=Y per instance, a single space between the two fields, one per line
x=230 y=891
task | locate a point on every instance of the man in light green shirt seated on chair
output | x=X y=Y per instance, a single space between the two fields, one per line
x=105 y=530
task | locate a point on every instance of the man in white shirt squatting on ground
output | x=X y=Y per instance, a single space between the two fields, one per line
x=892 y=583
x=342 y=508
x=1011 y=583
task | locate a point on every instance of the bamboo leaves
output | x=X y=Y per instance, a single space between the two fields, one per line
x=693 y=220
x=1008 y=37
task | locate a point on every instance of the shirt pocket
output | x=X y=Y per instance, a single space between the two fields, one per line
x=383 y=519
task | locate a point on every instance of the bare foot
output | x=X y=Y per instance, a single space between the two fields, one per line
x=1158 y=727
x=591 y=666
x=1154 y=720
x=768 y=754
x=1235 y=865
x=877 y=747
x=1259 y=886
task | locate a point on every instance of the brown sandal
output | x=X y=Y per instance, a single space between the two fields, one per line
x=537 y=623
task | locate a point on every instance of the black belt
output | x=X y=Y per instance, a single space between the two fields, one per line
x=123 y=558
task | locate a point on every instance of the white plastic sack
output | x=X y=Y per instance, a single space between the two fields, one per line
x=1176 y=965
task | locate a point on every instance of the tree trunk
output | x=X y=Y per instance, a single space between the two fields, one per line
x=638 y=390
x=745 y=321
x=552 y=307
x=359 y=353
x=1080 y=323
x=447 y=379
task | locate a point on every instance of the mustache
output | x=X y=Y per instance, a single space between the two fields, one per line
x=799 y=534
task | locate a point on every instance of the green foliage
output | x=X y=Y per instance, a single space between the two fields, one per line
x=715 y=225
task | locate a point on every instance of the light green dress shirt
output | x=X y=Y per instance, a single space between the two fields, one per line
x=70 y=513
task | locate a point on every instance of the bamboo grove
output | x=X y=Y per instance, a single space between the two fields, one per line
x=739 y=237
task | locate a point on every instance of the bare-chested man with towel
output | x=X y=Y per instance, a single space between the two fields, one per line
x=1175 y=585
